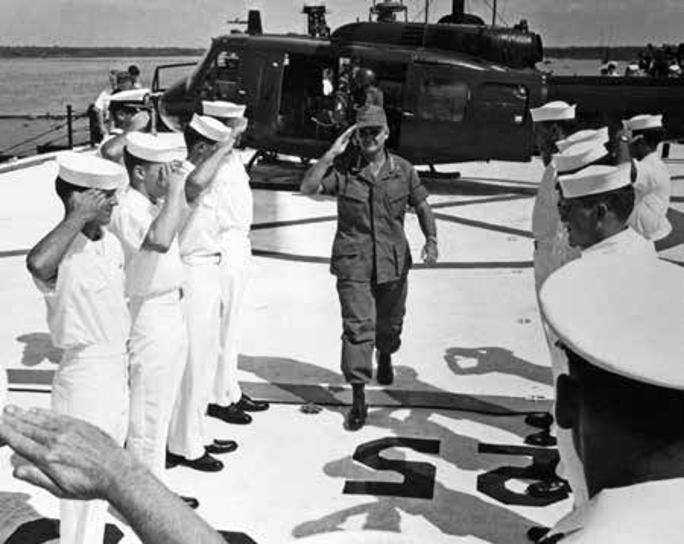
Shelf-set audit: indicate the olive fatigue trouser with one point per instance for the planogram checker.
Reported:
(372, 314)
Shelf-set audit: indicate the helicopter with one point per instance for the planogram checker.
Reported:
(454, 91)
(450, 90)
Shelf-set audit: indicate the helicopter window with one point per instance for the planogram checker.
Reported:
(443, 99)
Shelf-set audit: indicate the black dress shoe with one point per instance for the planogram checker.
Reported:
(535, 534)
(356, 417)
(540, 420)
(551, 488)
(385, 373)
(219, 447)
(206, 463)
(542, 439)
(229, 414)
(192, 502)
(247, 404)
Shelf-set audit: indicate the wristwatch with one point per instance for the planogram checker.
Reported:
(624, 138)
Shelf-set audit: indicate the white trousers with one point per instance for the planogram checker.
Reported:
(93, 387)
(158, 354)
(235, 268)
(571, 468)
(188, 433)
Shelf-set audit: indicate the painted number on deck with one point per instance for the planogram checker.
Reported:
(419, 478)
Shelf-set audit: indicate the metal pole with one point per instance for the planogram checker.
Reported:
(70, 128)
(427, 11)
(494, 14)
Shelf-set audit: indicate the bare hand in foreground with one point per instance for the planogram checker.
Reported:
(342, 142)
(70, 458)
(89, 205)
(430, 253)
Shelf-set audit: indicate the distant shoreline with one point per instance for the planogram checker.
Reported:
(629, 52)
(11, 52)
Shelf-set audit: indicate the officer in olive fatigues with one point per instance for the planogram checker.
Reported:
(371, 255)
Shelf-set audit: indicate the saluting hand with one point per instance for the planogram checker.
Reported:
(139, 121)
(89, 205)
(68, 457)
(173, 177)
(430, 253)
(341, 144)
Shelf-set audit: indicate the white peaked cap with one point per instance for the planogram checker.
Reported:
(579, 155)
(675, 68)
(634, 67)
(626, 320)
(643, 122)
(132, 96)
(601, 135)
(222, 109)
(210, 128)
(164, 147)
(594, 180)
(91, 171)
(553, 111)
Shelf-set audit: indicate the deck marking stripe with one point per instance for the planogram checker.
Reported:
(484, 225)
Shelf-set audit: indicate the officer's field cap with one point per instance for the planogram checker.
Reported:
(600, 135)
(91, 172)
(133, 96)
(623, 317)
(223, 110)
(594, 180)
(643, 122)
(579, 155)
(165, 147)
(553, 111)
(371, 116)
(210, 128)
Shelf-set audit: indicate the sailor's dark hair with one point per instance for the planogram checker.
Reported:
(620, 201)
(64, 189)
(192, 138)
(652, 136)
(606, 160)
(649, 411)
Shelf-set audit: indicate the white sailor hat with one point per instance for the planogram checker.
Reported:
(553, 111)
(611, 64)
(579, 155)
(133, 96)
(600, 135)
(210, 128)
(626, 320)
(633, 67)
(91, 171)
(163, 147)
(643, 122)
(223, 109)
(594, 180)
(674, 67)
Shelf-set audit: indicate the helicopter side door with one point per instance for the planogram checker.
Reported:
(433, 126)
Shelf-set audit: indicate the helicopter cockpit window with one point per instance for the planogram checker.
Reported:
(227, 74)
(443, 99)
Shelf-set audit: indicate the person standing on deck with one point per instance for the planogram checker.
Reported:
(639, 140)
(208, 143)
(146, 222)
(79, 268)
(130, 112)
(371, 256)
(622, 396)
(235, 211)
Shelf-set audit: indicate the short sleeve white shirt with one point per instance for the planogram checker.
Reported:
(148, 273)
(86, 305)
(653, 189)
(235, 203)
(199, 236)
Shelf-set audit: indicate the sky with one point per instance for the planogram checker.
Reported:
(192, 23)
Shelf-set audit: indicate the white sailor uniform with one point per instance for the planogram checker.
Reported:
(653, 189)
(200, 251)
(235, 214)
(88, 318)
(158, 339)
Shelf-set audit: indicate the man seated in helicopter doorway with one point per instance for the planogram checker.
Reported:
(371, 255)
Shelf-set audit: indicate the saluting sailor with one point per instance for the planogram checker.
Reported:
(208, 143)
(235, 212)
(371, 256)
(130, 112)
(79, 267)
(147, 221)
(639, 140)
(622, 397)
